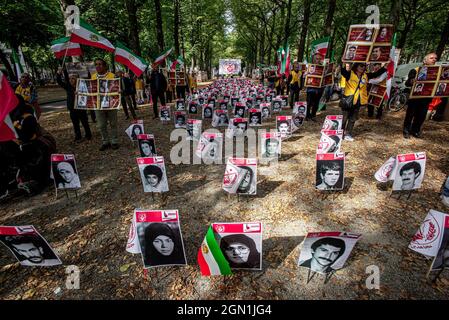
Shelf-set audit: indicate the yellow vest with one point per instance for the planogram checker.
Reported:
(342, 82)
(108, 76)
(139, 84)
(24, 92)
(295, 76)
(351, 87)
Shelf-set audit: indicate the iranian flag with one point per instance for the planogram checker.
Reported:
(8, 101)
(17, 65)
(63, 47)
(177, 62)
(126, 57)
(320, 45)
(87, 35)
(210, 258)
(284, 61)
(391, 68)
(162, 57)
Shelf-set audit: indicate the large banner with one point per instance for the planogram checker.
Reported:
(99, 94)
(229, 66)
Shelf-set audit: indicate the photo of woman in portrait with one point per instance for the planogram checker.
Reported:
(154, 179)
(65, 175)
(247, 183)
(135, 131)
(240, 251)
(162, 245)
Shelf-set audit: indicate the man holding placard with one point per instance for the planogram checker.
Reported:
(108, 115)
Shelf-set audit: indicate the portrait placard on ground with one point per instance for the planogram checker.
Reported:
(147, 145)
(28, 246)
(427, 239)
(240, 243)
(326, 252)
(153, 174)
(180, 118)
(271, 145)
(135, 129)
(330, 141)
(441, 260)
(333, 122)
(330, 171)
(409, 171)
(194, 129)
(165, 113)
(160, 238)
(64, 172)
(255, 117)
(240, 176)
(284, 126)
(210, 147)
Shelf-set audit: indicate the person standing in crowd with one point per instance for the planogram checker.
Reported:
(76, 115)
(139, 89)
(28, 91)
(314, 94)
(129, 91)
(279, 85)
(343, 79)
(356, 86)
(294, 82)
(271, 79)
(106, 116)
(417, 108)
(381, 80)
(193, 82)
(181, 88)
(158, 85)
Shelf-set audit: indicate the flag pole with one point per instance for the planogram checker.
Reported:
(65, 54)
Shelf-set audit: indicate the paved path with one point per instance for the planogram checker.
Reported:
(54, 106)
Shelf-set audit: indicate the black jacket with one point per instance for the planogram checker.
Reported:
(65, 84)
(129, 87)
(158, 83)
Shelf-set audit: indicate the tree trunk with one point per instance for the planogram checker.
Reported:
(133, 26)
(330, 17)
(287, 23)
(304, 30)
(404, 33)
(159, 27)
(5, 61)
(176, 26)
(444, 38)
(395, 11)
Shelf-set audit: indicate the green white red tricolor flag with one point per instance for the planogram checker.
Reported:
(8, 101)
(391, 67)
(126, 57)
(17, 65)
(87, 35)
(64, 47)
(163, 56)
(284, 61)
(321, 46)
(177, 62)
(211, 260)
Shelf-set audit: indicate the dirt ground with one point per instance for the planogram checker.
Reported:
(91, 232)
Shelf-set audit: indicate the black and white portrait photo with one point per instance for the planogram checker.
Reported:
(180, 105)
(193, 108)
(271, 146)
(284, 126)
(239, 111)
(240, 176)
(193, 129)
(333, 123)
(161, 244)
(180, 119)
(220, 118)
(207, 111)
(65, 173)
(210, 147)
(330, 174)
(134, 130)
(277, 105)
(330, 141)
(164, 113)
(147, 148)
(153, 175)
(326, 252)
(30, 249)
(255, 117)
(409, 175)
(266, 111)
(242, 251)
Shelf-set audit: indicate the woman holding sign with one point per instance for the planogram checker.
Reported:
(355, 94)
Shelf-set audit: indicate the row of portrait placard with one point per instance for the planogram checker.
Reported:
(156, 235)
